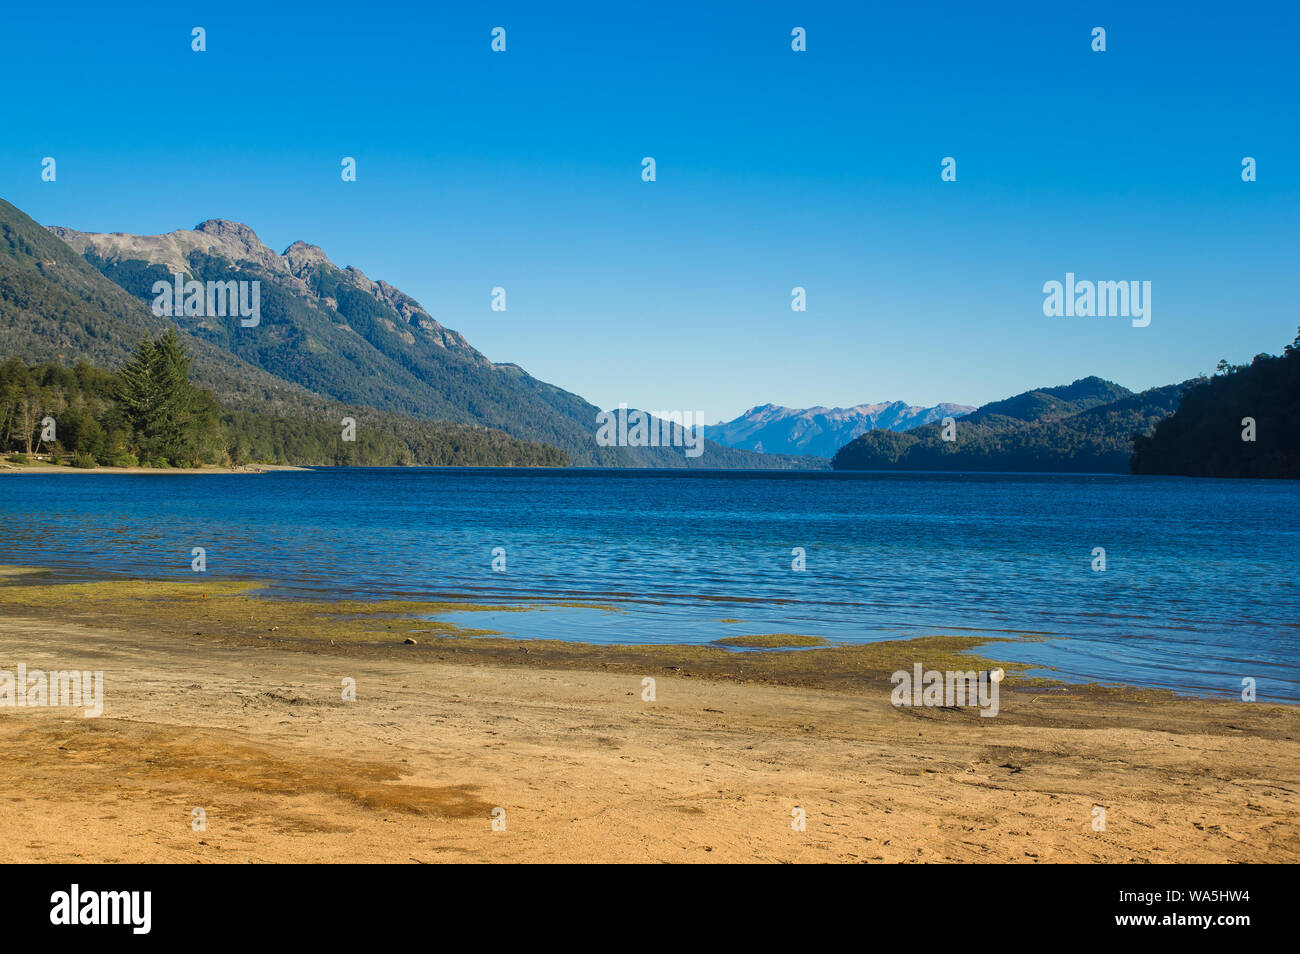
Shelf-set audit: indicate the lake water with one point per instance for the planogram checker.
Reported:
(1200, 587)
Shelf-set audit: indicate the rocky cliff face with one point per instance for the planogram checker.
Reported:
(294, 269)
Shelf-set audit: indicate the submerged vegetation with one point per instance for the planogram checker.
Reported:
(232, 610)
(772, 641)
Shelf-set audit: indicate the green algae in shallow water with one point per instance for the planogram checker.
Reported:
(231, 609)
(107, 591)
(772, 641)
(7, 570)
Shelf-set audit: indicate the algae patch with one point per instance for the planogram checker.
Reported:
(233, 610)
(772, 641)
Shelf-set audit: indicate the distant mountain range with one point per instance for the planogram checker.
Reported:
(334, 342)
(1087, 427)
(821, 431)
(329, 337)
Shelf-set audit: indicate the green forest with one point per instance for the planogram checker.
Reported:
(1084, 427)
(150, 414)
(1242, 422)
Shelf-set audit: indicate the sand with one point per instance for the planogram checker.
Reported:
(254, 731)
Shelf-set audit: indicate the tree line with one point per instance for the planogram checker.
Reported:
(150, 414)
(1244, 421)
(1095, 440)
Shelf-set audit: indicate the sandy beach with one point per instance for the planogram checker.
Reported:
(220, 701)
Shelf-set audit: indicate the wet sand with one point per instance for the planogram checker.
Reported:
(246, 721)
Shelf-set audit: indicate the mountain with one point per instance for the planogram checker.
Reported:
(337, 333)
(821, 431)
(1084, 427)
(57, 309)
(328, 336)
(1205, 436)
(1049, 404)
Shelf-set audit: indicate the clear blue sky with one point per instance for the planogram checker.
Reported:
(775, 169)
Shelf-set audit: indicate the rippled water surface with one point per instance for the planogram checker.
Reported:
(1200, 588)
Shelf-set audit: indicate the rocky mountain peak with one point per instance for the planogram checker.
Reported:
(226, 229)
(300, 255)
(236, 242)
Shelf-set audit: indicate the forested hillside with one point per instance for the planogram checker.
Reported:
(150, 414)
(1242, 422)
(1083, 427)
(331, 342)
(346, 338)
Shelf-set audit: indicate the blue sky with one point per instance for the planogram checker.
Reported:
(775, 169)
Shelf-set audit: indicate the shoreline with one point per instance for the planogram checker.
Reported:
(8, 468)
(361, 627)
(837, 664)
(216, 699)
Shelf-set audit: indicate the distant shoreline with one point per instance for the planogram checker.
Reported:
(7, 468)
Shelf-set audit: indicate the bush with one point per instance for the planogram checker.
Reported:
(84, 461)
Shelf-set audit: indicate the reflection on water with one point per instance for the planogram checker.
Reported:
(1200, 587)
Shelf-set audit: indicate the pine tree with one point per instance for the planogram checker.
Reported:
(177, 400)
(137, 392)
(158, 400)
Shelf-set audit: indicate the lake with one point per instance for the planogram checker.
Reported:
(1199, 588)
